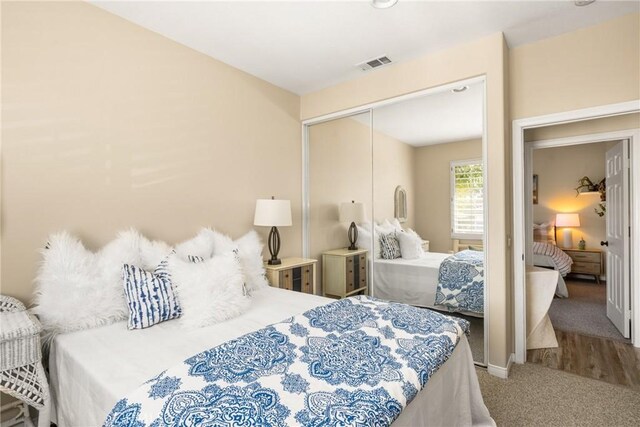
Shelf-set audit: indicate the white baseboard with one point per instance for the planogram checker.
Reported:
(499, 371)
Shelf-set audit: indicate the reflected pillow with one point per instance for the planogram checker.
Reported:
(410, 245)
(389, 246)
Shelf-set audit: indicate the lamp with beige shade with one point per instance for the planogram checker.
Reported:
(567, 221)
(273, 213)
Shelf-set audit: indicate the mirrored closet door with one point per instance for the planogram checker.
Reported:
(410, 175)
(429, 148)
(339, 193)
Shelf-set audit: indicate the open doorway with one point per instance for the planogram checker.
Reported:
(579, 223)
(570, 222)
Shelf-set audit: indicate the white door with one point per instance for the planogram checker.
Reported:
(617, 217)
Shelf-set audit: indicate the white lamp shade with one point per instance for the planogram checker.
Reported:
(352, 212)
(567, 220)
(272, 213)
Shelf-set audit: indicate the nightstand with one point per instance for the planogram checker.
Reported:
(586, 261)
(21, 373)
(294, 274)
(344, 272)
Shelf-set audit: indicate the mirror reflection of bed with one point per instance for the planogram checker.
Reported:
(442, 268)
(417, 167)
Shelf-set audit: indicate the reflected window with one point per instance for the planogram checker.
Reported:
(467, 199)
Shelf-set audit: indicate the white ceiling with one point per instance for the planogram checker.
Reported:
(306, 45)
(432, 119)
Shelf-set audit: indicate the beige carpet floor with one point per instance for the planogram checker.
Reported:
(538, 396)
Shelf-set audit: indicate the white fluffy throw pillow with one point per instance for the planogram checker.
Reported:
(72, 290)
(210, 291)
(210, 242)
(250, 252)
(202, 245)
(78, 289)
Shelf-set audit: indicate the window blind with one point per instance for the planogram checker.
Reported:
(467, 200)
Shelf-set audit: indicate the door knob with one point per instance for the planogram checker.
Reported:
(604, 243)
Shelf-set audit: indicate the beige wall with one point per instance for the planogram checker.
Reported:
(107, 125)
(593, 66)
(393, 165)
(433, 191)
(341, 169)
(559, 170)
(487, 57)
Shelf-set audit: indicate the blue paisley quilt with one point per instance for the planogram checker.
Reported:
(461, 282)
(357, 361)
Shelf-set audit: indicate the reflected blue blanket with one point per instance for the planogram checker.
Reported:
(461, 282)
(357, 361)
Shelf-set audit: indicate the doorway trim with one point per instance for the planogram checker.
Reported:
(520, 213)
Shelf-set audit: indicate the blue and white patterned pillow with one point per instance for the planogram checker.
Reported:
(150, 295)
(389, 246)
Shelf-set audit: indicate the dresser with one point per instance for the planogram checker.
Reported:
(586, 261)
(344, 273)
(294, 274)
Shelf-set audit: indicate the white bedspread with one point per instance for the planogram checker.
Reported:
(409, 281)
(92, 369)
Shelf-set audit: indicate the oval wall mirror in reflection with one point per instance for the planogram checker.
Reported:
(400, 202)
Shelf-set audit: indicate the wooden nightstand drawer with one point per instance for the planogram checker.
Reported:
(584, 256)
(585, 268)
(344, 272)
(286, 280)
(294, 274)
(586, 261)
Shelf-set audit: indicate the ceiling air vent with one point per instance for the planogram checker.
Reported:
(374, 63)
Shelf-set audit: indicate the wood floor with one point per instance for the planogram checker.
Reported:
(602, 359)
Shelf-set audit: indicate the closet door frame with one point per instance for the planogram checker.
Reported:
(306, 124)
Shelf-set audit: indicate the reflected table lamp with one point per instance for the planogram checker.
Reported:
(354, 213)
(273, 213)
(566, 221)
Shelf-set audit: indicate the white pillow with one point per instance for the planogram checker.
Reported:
(210, 242)
(210, 291)
(410, 245)
(413, 233)
(396, 224)
(249, 249)
(201, 245)
(77, 289)
(364, 241)
(67, 297)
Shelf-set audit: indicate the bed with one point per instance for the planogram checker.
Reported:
(92, 370)
(546, 254)
(416, 281)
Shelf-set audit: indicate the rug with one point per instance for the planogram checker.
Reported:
(585, 311)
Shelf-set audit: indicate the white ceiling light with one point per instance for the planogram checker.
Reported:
(383, 4)
(459, 89)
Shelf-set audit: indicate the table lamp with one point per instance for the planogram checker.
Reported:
(354, 213)
(273, 213)
(567, 220)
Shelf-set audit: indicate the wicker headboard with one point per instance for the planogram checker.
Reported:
(461, 245)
